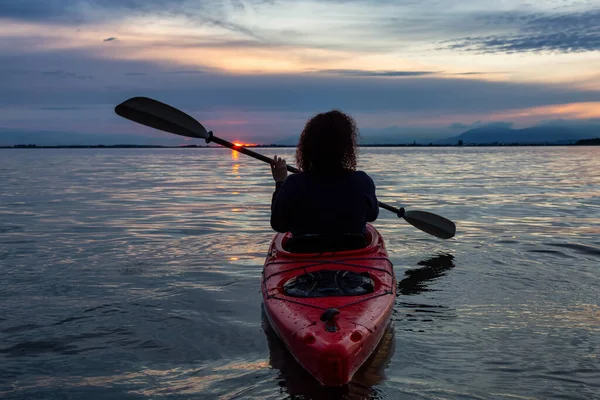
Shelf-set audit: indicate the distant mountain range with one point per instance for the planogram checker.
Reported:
(551, 134)
(555, 132)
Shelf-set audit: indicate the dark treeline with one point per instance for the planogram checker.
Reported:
(588, 142)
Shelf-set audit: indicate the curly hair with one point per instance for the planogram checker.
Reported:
(328, 144)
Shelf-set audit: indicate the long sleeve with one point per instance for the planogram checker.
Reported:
(280, 209)
(373, 211)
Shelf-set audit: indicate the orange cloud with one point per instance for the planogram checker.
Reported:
(567, 111)
(523, 116)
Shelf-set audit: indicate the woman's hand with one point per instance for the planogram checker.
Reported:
(278, 169)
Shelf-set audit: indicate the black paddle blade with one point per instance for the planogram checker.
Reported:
(161, 116)
(431, 223)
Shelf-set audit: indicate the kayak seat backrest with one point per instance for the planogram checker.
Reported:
(319, 243)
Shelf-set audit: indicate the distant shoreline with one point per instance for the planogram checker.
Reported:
(586, 142)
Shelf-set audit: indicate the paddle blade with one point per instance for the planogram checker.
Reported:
(431, 223)
(161, 116)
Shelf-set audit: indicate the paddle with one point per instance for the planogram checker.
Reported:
(155, 114)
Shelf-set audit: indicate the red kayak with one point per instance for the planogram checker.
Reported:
(330, 308)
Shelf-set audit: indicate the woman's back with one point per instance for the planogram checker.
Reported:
(308, 203)
(329, 196)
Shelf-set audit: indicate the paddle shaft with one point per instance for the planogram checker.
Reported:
(212, 138)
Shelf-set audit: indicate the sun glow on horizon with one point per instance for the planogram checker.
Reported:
(234, 153)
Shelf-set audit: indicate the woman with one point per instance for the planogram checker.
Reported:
(329, 196)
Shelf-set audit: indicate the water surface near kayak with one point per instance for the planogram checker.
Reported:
(135, 274)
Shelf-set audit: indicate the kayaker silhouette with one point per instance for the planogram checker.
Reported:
(329, 202)
(331, 306)
(326, 154)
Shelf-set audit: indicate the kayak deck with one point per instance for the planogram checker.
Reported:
(332, 336)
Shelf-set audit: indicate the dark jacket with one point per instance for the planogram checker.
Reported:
(307, 203)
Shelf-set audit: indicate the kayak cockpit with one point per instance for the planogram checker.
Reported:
(328, 283)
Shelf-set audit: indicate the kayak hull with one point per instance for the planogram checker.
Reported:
(298, 382)
(332, 350)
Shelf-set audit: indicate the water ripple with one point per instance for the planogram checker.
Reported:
(135, 274)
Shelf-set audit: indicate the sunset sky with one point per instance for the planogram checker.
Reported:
(257, 70)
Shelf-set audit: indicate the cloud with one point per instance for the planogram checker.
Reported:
(360, 25)
(463, 127)
(562, 33)
(270, 35)
(478, 73)
(34, 9)
(73, 11)
(270, 58)
(498, 125)
(364, 73)
(291, 92)
(226, 25)
(493, 125)
(570, 122)
(77, 12)
(180, 72)
(50, 108)
(186, 72)
(11, 137)
(65, 74)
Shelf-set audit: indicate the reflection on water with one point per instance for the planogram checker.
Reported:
(416, 280)
(135, 274)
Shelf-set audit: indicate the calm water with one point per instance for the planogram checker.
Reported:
(134, 274)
